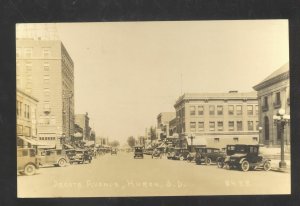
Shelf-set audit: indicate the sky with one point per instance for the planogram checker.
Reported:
(126, 73)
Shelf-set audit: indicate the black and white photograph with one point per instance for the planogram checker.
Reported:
(153, 108)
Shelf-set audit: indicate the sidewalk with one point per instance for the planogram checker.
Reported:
(275, 166)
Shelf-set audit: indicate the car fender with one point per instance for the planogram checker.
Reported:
(31, 163)
(242, 160)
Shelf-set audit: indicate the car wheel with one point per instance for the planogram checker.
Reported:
(62, 162)
(208, 161)
(181, 158)
(220, 164)
(29, 169)
(267, 166)
(245, 166)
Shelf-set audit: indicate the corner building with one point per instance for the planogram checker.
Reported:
(218, 119)
(45, 70)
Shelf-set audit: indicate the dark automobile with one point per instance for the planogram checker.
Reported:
(27, 161)
(114, 151)
(247, 157)
(79, 156)
(229, 150)
(207, 155)
(56, 157)
(180, 154)
(148, 151)
(138, 152)
(170, 152)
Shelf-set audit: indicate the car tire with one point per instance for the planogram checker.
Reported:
(208, 161)
(29, 169)
(245, 166)
(220, 164)
(267, 165)
(181, 158)
(62, 163)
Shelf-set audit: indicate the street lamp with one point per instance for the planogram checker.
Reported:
(192, 137)
(259, 133)
(280, 120)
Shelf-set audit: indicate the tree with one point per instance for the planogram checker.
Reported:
(131, 141)
(114, 143)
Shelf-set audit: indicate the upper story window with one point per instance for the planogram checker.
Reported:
(220, 126)
(28, 52)
(265, 105)
(192, 110)
(211, 110)
(239, 125)
(46, 67)
(277, 102)
(220, 110)
(250, 125)
(250, 109)
(239, 110)
(193, 126)
(231, 125)
(211, 126)
(200, 110)
(201, 126)
(46, 52)
(256, 109)
(231, 110)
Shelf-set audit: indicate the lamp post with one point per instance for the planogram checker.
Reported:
(259, 134)
(192, 137)
(280, 120)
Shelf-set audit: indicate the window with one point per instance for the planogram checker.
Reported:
(250, 125)
(27, 131)
(193, 126)
(47, 92)
(19, 129)
(235, 139)
(46, 52)
(28, 52)
(231, 110)
(256, 109)
(211, 126)
(201, 126)
(200, 110)
(231, 126)
(192, 110)
(211, 110)
(46, 67)
(255, 139)
(220, 126)
(277, 100)
(239, 110)
(265, 106)
(46, 76)
(216, 140)
(220, 110)
(239, 125)
(250, 109)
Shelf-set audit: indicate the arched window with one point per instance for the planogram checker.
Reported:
(267, 131)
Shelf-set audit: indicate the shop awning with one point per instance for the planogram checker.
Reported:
(35, 142)
(68, 146)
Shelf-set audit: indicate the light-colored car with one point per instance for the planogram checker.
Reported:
(27, 161)
(56, 157)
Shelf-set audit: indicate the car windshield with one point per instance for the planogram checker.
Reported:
(200, 149)
(240, 149)
(138, 149)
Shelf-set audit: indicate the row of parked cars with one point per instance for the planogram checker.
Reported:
(28, 161)
(239, 156)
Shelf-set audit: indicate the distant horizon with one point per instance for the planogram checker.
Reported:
(126, 73)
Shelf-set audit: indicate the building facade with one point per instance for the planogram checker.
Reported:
(218, 119)
(83, 121)
(273, 94)
(163, 120)
(45, 70)
(26, 110)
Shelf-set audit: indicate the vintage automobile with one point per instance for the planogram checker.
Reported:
(79, 156)
(156, 154)
(207, 155)
(138, 152)
(170, 152)
(113, 151)
(56, 157)
(229, 150)
(246, 157)
(180, 154)
(27, 161)
(148, 151)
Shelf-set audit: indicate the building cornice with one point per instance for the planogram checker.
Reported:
(272, 81)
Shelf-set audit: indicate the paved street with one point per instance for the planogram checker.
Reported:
(122, 175)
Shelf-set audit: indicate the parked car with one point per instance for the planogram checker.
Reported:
(138, 152)
(27, 161)
(80, 156)
(170, 152)
(180, 154)
(229, 150)
(157, 154)
(148, 151)
(56, 157)
(114, 151)
(247, 157)
(207, 155)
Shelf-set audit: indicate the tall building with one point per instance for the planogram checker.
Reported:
(273, 94)
(218, 119)
(163, 120)
(45, 70)
(26, 110)
(83, 121)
